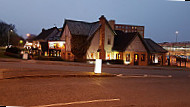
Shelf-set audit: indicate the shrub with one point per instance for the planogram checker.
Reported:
(113, 61)
(47, 58)
(13, 55)
(14, 50)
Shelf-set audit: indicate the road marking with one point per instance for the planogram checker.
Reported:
(78, 102)
(144, 76)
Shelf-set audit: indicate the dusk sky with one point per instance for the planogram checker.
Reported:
(161, 18)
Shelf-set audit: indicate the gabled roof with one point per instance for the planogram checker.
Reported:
(153, 47)
(107, 23)
(45, 33)
(122, 40)
(82, 28)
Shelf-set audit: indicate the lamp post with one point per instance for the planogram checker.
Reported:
(9, 36)
(176, 32)
(27, 34)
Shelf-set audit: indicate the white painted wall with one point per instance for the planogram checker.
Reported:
(94, 46)
(108, 47)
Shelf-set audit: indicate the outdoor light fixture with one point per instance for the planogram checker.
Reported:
(176, 32)
(21, 41)
(27, 34)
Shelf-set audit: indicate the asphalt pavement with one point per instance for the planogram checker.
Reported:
(133, 86)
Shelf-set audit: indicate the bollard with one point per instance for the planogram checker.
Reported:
(98, 66)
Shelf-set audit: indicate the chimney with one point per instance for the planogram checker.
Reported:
(102, 37)
(43, 29)
(112, 24)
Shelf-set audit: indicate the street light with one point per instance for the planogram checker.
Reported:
(176, 32)
(9, 36)
(27, 34)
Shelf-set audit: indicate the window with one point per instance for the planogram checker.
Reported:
(117, 56)
(109, 39)
(126, 27)
(108, 56)
(127, 57)
(142, 57)
(92, 55)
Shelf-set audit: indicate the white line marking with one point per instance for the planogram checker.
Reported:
(78, 102)
(144, 76)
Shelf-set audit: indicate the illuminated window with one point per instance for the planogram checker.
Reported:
(127, 57)
(142, 57)
(132, 27)
(92, 55)
(108, 56)
(136, 57)
(117, 56)
(63, 46)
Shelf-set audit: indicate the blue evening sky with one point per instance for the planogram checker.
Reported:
(161, 18)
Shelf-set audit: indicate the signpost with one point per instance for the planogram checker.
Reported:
(98, 66)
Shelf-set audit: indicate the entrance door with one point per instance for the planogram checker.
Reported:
(136, 59)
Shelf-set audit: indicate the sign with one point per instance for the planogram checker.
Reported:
(98, 66)
(25, 56)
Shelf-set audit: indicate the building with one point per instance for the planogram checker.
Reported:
(177, 51)
(130, 48)
(29, 41)
(127, 28)
(133, 49)
(87, 40)
(100, 40)
(47, 43)
(179, 48)
(156, 54)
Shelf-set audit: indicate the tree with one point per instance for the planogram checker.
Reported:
(5, 32)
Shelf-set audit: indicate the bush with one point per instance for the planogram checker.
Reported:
(47, 58)
(13, 55)
(14, 50)
(113, 61)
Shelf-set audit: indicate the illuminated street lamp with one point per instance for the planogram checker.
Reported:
(9, 36)
(177, 32)
(27, 34)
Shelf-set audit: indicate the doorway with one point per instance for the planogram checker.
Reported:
(136, 59)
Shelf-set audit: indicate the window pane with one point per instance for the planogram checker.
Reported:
(127, 57)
